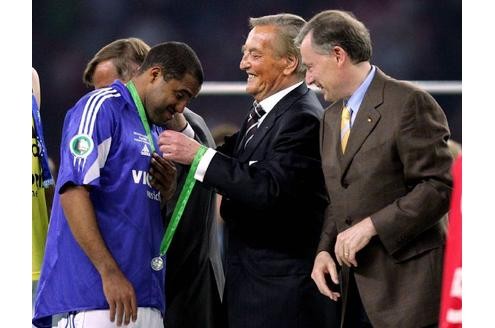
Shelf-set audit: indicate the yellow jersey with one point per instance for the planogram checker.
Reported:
(40, 213)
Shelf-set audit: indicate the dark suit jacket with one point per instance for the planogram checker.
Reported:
(192, 298)
(396, 170)
(273, 204)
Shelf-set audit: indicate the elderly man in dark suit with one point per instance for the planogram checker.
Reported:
(386, 163)
(270, 176)
(192, 297)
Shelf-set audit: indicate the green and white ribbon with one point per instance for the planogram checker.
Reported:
(188, 185)
(181, 203)
(142, 114)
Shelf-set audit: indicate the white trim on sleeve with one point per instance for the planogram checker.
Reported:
(203, 164)
(188, 131)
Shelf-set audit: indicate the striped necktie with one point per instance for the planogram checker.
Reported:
(252, 123)
(345, 127)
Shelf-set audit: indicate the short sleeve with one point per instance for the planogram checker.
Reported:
(87, 137)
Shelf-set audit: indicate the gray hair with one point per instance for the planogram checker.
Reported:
(332, 28)
(288, 26)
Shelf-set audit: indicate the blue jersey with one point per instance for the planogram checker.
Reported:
(104, 146)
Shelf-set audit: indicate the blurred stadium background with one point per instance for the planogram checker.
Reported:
(412, 40)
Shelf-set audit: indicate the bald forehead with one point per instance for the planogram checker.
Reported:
(261, 37)
(104, 75)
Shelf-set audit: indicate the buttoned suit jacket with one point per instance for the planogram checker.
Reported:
(192, 297)
(396, 170)
(273, 204)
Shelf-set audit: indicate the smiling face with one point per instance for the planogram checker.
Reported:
(162, 99)
(262, 64)
(322, 70)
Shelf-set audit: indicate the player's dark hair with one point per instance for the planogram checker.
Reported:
(176, 59)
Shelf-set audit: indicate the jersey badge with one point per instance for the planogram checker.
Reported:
(81, 145)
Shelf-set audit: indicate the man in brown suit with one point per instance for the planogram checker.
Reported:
(386, 163)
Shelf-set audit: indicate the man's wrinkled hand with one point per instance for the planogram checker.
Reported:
(178, 147)
(352, 240)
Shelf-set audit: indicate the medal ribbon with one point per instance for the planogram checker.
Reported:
(142, 115)
(188, 184)
(181, 203)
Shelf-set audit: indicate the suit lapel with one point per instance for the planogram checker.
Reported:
(366, 119)
(240, 138)
(269, 121)
(332, 121)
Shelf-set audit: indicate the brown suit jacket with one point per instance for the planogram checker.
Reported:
(396, 169)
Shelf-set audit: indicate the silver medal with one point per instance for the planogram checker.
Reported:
(157, 263)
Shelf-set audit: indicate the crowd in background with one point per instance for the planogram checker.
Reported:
(412, 40)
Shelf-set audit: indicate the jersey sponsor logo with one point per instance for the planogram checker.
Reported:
(153, 195)
(81, 145)
(145, 151)
(37, 181)
(143, 177)
(35, 148)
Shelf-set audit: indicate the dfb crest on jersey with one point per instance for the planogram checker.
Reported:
(81, 145)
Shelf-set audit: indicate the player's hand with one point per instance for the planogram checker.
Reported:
(120, 296)
(163, 176)
(177, 123)
(325, 265)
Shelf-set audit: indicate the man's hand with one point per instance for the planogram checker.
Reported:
(352, 240)
(120, 296)
(178, 147)
(177, 123)
(163, 176)
(324, 265)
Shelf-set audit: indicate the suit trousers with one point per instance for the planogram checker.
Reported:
(355, 314)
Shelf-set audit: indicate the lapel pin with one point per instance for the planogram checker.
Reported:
(369, 119)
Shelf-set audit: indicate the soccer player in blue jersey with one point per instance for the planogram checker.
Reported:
(102, 263)
(194, 267)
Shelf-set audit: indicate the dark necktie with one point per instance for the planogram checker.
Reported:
(252, 124)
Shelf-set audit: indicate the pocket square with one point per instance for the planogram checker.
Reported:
(252, 162)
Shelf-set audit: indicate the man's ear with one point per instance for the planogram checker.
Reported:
(340, 54)
(155, 72)
(292, 62)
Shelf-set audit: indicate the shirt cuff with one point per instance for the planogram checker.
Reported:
(188, 131)
(203, 164)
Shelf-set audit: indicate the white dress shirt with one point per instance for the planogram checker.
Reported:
(268, 104)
